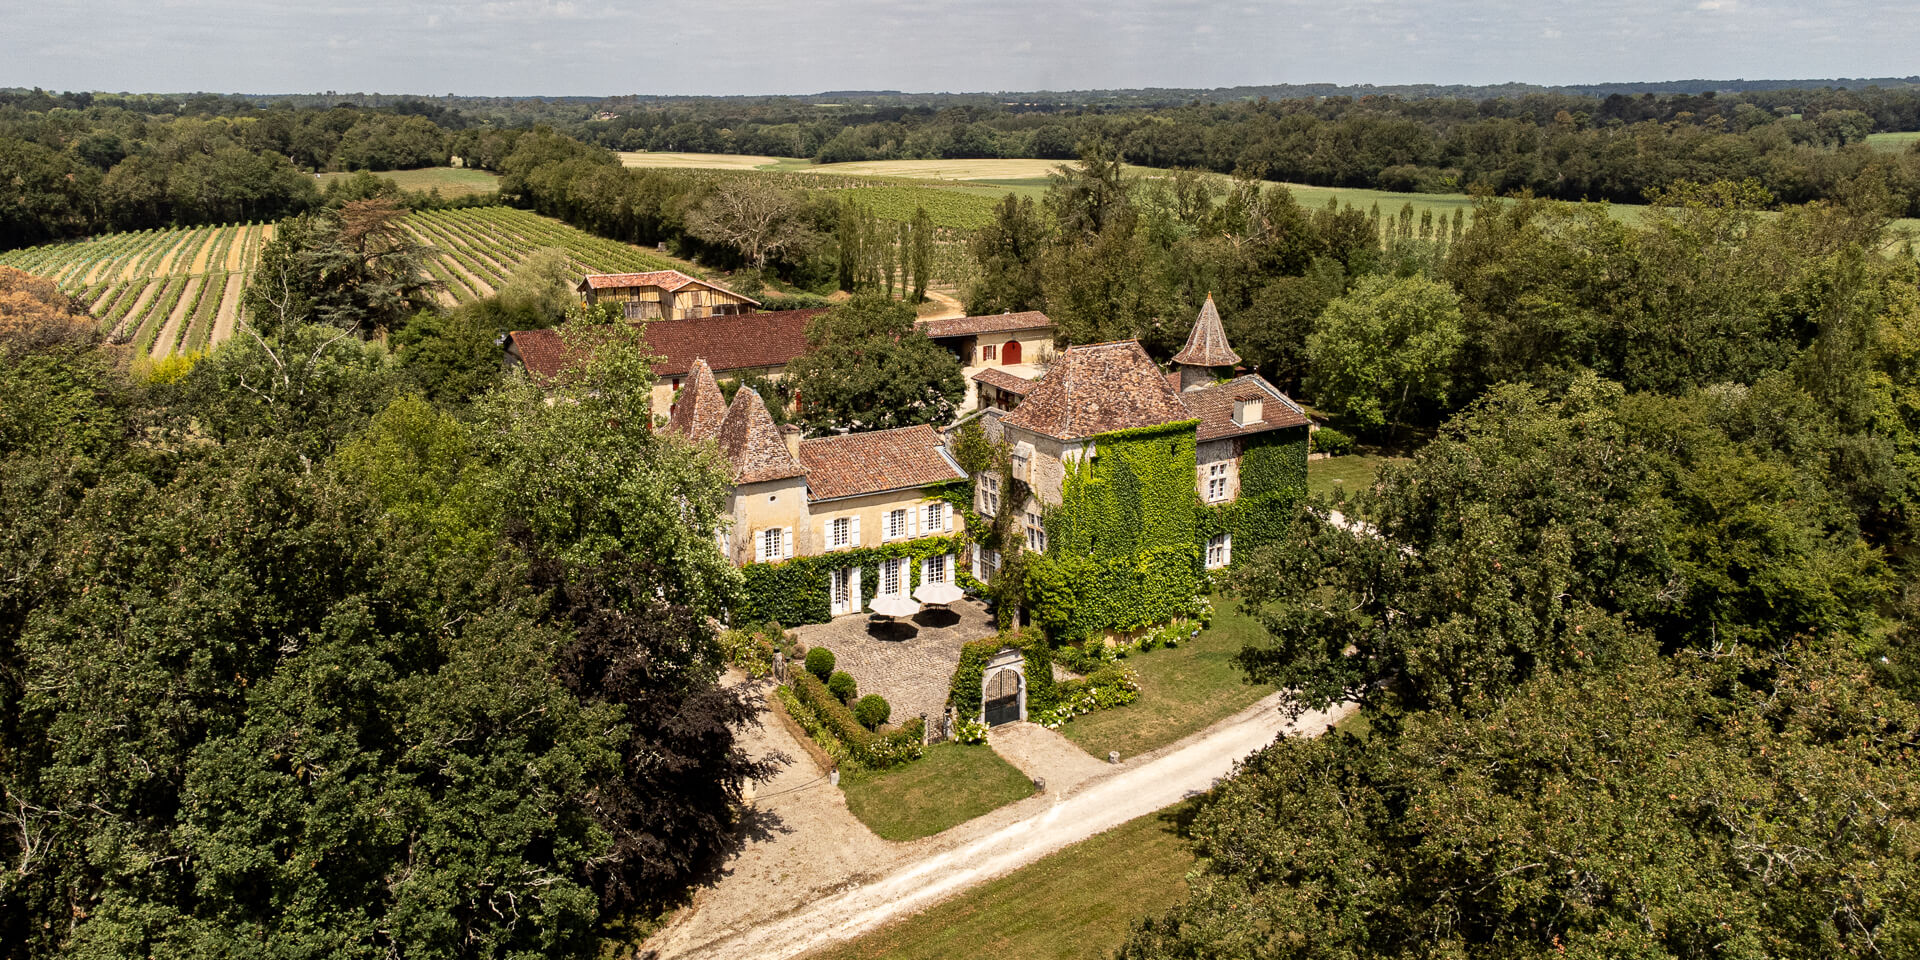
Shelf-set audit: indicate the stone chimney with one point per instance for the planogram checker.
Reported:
(791, 434)
(1248, 411)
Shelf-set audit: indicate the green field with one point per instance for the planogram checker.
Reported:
(951, 784)
(450, 181)
(1893, 142)
(1074, 905)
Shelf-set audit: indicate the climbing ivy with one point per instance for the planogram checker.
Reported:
(1273, 479)
(796, 591)
(1122, 546)
(963, 692)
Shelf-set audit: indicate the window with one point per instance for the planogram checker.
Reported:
(896, 526)
(1036, 533)
(839, 532)
(1219, 551)
(1216, 482)
(990, 352)
(892, 572)
(934, 569)
(934, 518)
(773, 544)
(989, 563)
(846, 590)
(990, 495)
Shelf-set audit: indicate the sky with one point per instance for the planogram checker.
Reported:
(599, 47)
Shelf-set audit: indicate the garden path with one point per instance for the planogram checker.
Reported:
(1044, 754)
(798, 842)
(924, 872)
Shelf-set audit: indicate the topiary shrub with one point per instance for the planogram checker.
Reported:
(836, 724)
(1332, 442)
(820, 663)
(872, 711)
(841, 685)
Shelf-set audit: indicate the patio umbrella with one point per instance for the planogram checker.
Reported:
(937, 594)
(896, 607)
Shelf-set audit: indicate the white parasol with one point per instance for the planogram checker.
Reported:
(937, 594)
(893, 606)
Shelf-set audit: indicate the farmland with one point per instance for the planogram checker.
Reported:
(178, 291)
(1893, 142)
(450, 181)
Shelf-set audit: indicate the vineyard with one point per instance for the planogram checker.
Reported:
(174, 291)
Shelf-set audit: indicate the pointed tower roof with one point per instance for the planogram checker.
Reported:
(701, 407)
(1207, 344)
(752, 443)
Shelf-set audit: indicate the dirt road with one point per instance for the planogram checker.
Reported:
(1013, 837)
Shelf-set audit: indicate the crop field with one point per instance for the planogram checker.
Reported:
(160, 290)
(701, 161)
(178, 290)
(450, 181)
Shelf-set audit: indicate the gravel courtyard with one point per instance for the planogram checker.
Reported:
(909, 662)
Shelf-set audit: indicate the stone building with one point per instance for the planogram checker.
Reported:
(871, 497)
(1110, 389)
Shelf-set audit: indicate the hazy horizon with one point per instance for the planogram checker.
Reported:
(748, 47)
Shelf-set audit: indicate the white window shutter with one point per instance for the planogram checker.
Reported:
(853, 594)
(759, 546)
(1229, 551)
(853, 535)
(913, 516)
(974, 555)
(786, 541)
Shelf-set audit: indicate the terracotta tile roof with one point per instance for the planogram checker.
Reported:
(861, 463)
(740, 342)
(540, 351)
(752, 443)
(668, 280)
(1214, 406)
(994, 376)
(1207, 343)
(701, 408)
(990, 323)
(1099, 388)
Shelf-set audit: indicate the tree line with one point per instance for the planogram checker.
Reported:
(131, 163)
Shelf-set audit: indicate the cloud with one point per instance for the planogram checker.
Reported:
(1727, 5)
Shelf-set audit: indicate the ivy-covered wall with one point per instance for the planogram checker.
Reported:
(1122, 547)
(1273, 479)
(794, 592)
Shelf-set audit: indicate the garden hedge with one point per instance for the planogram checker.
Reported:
(866, 747)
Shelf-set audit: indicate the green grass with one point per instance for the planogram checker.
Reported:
(1893, 142)
(1074, 905)
(450, 181)
(1183, 690)
(1342, 474)
(952, 784)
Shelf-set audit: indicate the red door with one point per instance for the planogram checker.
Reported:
(1010, 354)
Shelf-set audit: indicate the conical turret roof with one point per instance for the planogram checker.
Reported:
(1207, 345)
(752, 443)
(701, 409)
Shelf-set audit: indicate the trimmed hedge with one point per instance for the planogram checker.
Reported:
(820, 663)
(865, 747)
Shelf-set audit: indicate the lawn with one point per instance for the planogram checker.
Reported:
(952, 784)
(450, 181)
(1342, 474)
(1893, 142)
(1183, 690)
(1073, 905)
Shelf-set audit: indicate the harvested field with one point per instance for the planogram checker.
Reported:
(699, 161)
